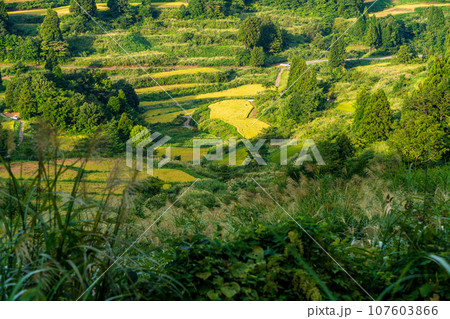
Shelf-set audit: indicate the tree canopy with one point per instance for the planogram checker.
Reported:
(89, 6)
(50, 30)
(375, 120)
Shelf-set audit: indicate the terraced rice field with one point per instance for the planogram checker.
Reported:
(248, 90)
(165, 115)
(100, 6)
(98, 172)
(236, 113)
(189, 71)
(186, 153)
(154, 89)
(407, 8)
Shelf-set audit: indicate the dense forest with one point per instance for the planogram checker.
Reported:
(83, 81)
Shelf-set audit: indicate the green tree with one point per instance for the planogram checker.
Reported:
(50, 30)
(51, 60)
(3, 141)
(89, 6)
(433, 97)
(89, 117)
(26, 104)
(32, 49)
(375, 123)
(4, 18)
(118, 7)
(138, 129)
(337, 53)
(270, 36)
(250, 32)
(447, 44)
(436, 28)
(361, 102)
(359, 28)
(124, 127)
(299, 106)
(1, 82)
(405, 55)
(418, 137)
(301, 77)
(257, 57)
(373, 38)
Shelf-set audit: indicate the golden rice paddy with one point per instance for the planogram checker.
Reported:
(236, 113)
(248, 90)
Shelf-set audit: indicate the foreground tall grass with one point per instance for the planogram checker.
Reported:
(224, 239)
(53, 245)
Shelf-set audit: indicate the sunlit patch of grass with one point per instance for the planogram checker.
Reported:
(165, 115)
(7, 124)
(154, 89)
(407, 8)
(347, 106)
(236, 113)
(68, 142)
(186, 154)
(248, 90)
(189, 71)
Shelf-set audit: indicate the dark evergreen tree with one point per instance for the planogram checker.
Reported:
(361, 102)
(299, 106)
(359, 28)
(1, 82)
(89, 6)
(337, 53)
(26, 104)
(4, 18)
(436, 28)
(32, 48)
(50, 30)
(118, 7)
(447, 44)
(270, 36)
(391, 31)
(250, 32)
(301, 78)
(418, 137)
(51, 60)
(373, 37)
(375, 123)
(405, 54)
(124, 127)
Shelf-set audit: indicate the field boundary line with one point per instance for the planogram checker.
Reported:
(134, 59)
(309, 66)
(140, 236)
(314, 240)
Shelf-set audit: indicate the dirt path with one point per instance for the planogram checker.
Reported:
(277, 81)
(186, 123)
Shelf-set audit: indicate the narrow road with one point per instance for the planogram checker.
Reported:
(186, 123)
(277, 81)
